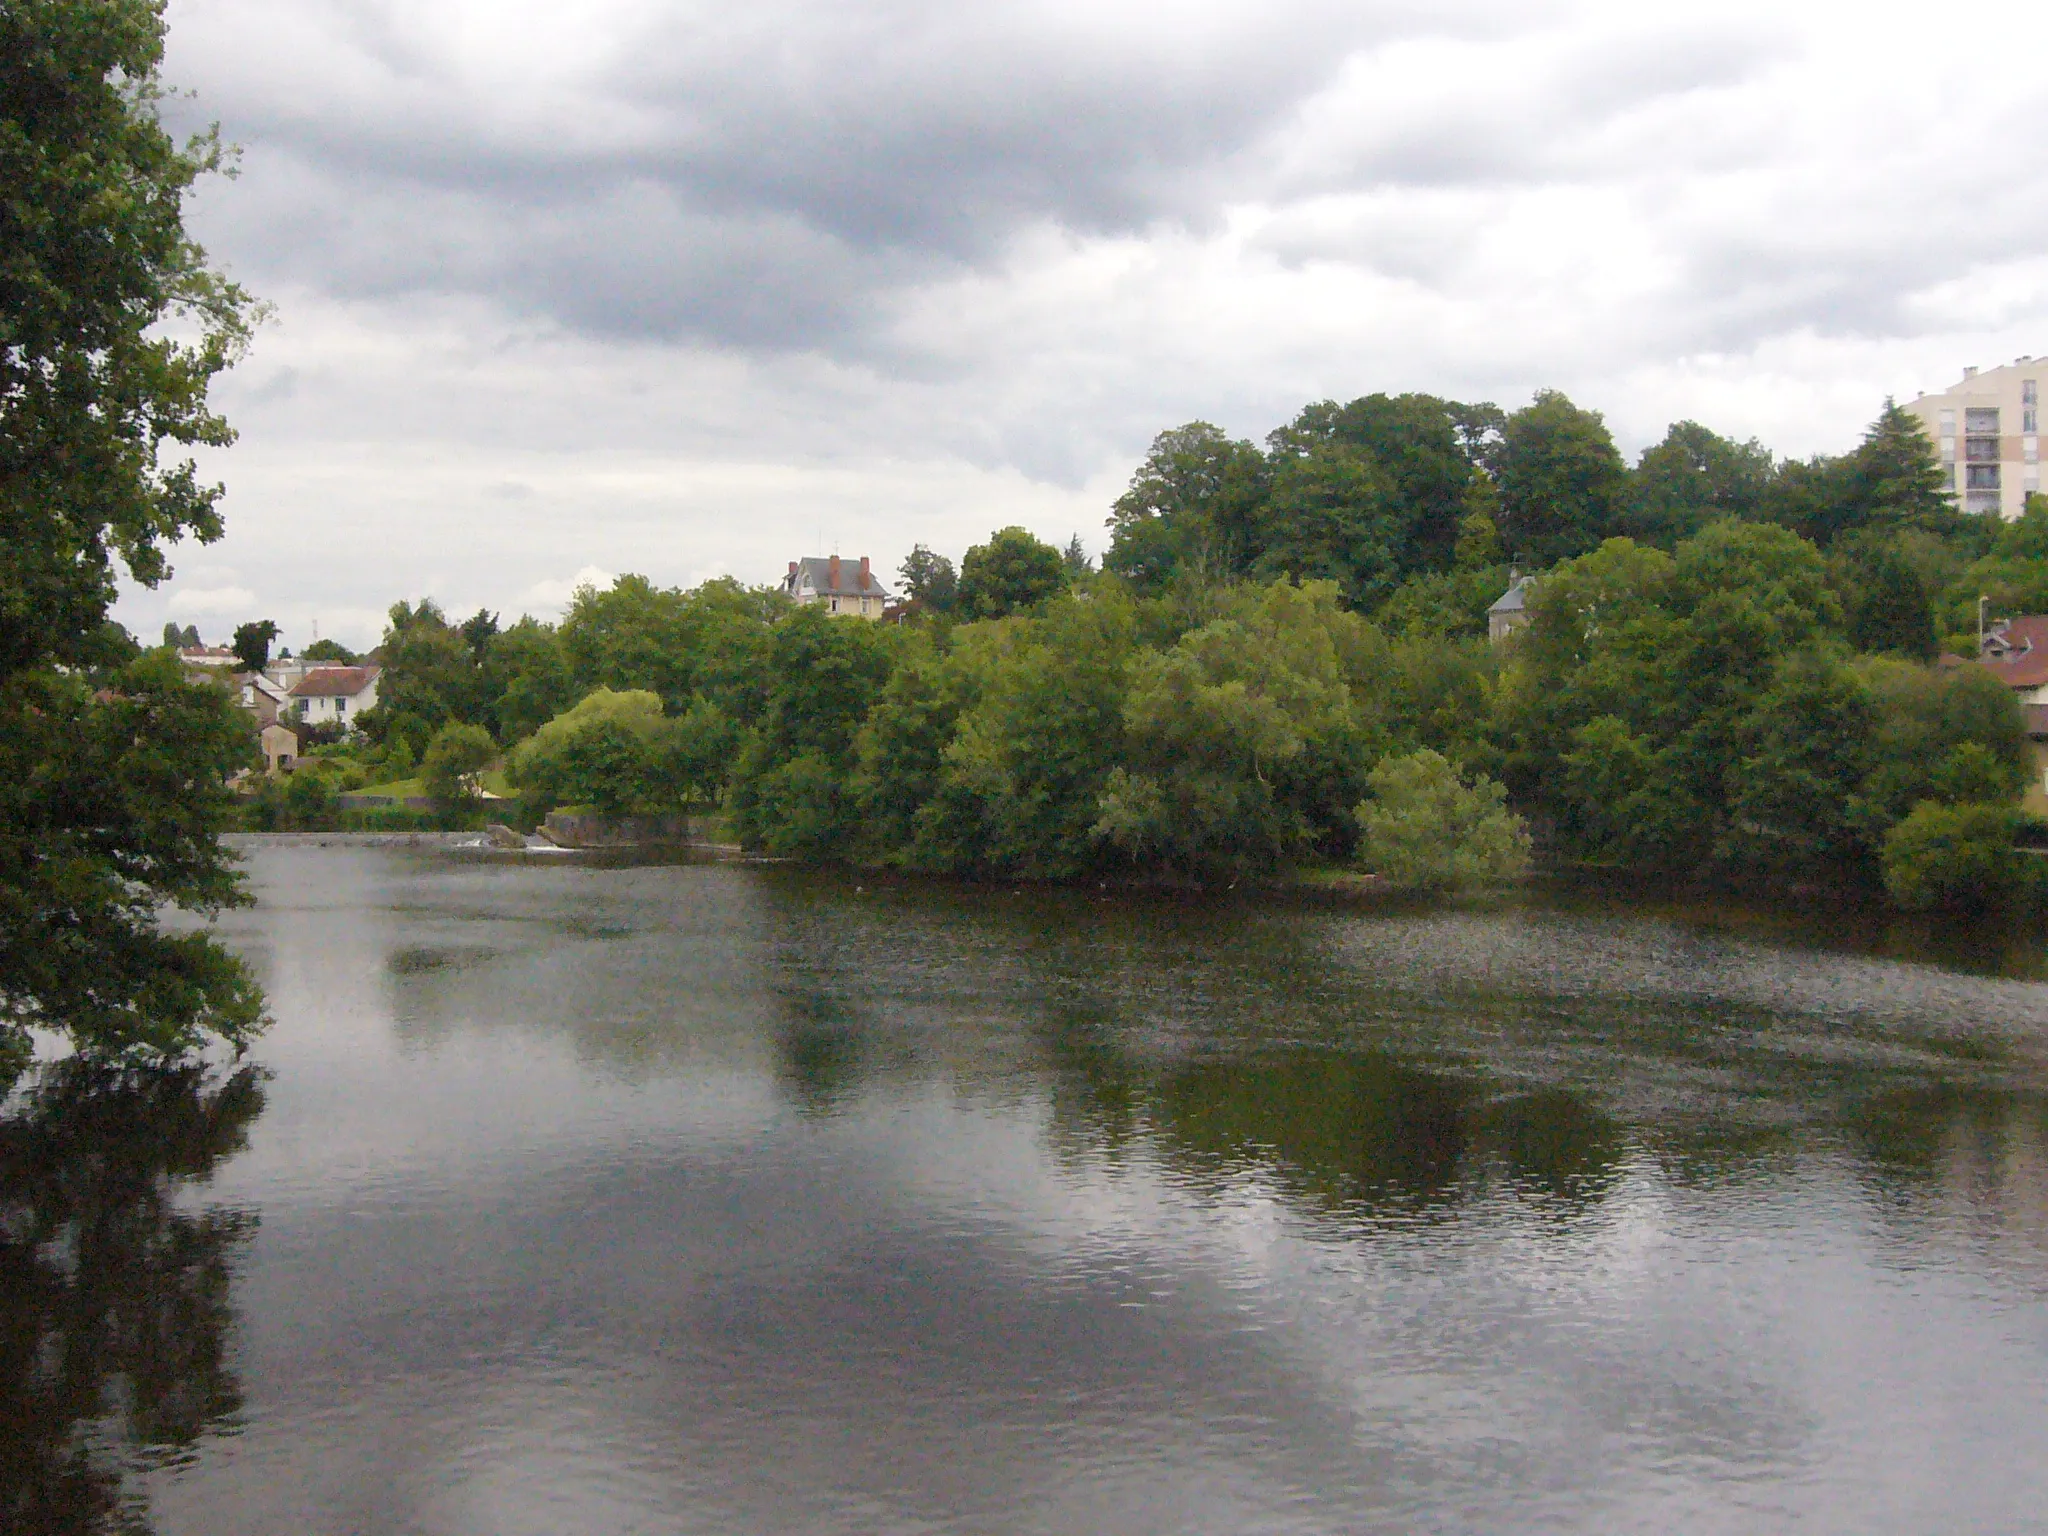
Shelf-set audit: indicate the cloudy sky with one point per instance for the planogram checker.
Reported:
(689, 289)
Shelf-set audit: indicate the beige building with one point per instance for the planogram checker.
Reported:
(1987, 432)
(839, 585)
(280, 748)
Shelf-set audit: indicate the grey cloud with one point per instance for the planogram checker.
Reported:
(764, 178)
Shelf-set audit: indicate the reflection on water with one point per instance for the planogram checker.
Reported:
(706, 1199)
(114, 1333)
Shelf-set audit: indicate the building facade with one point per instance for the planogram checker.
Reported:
(335, 694)
(1510, 611)
(839, 586)
(1987, 433)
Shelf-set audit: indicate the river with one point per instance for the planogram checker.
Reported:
(720, 1199)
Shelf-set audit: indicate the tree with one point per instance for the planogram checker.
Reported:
(929, 579)
(1011, 572)
(455, 758)
(112, 327)
(1415, 439)
(1426, 828)
(330, 651)
(605, 752)
(1330, 516)
(1692, 478)
(526, 679)
(1892, 481)
(1562, 484)
(252, 644)
(1077, 562)
(1189, 507)
(1212, 728)
(1806, 750)
(1898, 480)
(430, 677)
(1885, 604)
(110, 805)
(629, 636)
(1958, 856)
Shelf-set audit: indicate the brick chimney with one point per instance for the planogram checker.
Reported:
(832, 575)
(792, 567)
(864, 577)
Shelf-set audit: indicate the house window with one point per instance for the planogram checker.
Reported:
(1982, 419)
(1983, 477)
(341, 706)
(1981, 450)
(1948, 423)
(2030, 420)
(2028, 394)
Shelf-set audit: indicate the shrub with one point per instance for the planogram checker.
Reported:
(455, 758)
(1956, 856)
(605, 752)
(1425, 828)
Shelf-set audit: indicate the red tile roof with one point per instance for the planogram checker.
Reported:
(334, 682)
(2018, 656)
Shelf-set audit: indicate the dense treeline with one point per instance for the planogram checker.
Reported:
(1282, 660)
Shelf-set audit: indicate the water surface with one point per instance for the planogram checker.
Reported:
(714, 1199)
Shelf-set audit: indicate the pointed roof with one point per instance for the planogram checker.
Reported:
(334, 682)
(816, 573)
(2017, 651)
(1515, 599)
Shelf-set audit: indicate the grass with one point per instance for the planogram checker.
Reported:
(397, 789)
(494, 781)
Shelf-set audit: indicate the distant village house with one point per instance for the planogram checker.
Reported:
(335, 695)
(2016, 651)
(280, 748)
(263, 696)
(842, 587)
(1510, 611)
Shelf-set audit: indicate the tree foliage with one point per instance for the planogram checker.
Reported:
(1013, 571)
(1562, 482)
(454, 765)
(1725, 671)
(252, 643)
(1426, 828)
(112, 328)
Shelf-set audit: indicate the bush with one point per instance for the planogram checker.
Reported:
(1425, 828)
(799, 810)
(606, 752)
(1955, 856)
(455, 758)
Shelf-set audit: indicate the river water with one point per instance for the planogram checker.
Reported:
(715, 1199)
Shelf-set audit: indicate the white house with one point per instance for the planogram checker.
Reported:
(335, 694)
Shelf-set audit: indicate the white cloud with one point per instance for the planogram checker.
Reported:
(549, 598)
(209, 602)
(680, 288)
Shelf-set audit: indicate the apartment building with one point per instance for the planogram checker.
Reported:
(1987, 431)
